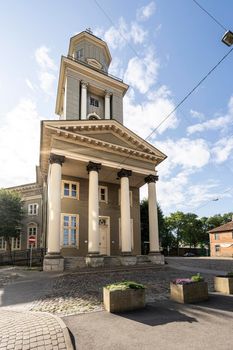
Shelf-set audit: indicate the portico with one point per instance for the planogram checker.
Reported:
(80, 156)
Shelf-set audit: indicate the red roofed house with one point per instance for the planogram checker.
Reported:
(221, 240)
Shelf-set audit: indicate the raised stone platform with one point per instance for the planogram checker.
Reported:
(74, 263)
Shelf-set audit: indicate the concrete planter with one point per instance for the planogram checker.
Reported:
(223, 284)
(123, 300)
(189, 293)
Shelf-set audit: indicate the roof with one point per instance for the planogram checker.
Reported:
(223, 228)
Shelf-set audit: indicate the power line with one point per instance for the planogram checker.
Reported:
(111, 21)
(190, 93)
(209, 14)
(214, 199)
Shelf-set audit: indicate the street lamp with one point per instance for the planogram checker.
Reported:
(228, 38)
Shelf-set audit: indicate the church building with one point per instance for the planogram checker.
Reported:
(91, 168)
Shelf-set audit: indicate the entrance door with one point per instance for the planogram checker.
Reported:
(104, 236)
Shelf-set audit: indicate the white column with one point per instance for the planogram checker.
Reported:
(54, 204)
(153, 214)
(83, 100)
(126, 246)
(107, 105)
(93, 208)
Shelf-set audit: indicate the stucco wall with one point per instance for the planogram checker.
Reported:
(111, 209)
(224, 238)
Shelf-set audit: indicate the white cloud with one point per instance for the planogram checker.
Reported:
(19, 142)
(118, 36)
(46, 65)
(146, 12)
(29, 84)
(223, 149)
(196, 114)
(188, 154)
(43, 59)
(143, 117)
(47, 82)
(141, 73)
(215, 123)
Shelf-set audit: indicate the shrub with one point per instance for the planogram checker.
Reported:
(229, 274)
(125, 285)
(197, 278)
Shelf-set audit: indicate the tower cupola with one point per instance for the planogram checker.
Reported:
(86, 90)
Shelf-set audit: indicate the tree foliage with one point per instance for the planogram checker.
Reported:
(181, 229)
(11, 214)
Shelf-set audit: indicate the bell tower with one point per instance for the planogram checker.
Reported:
(85, 89)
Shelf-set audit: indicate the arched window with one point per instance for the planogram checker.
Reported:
(93, 116)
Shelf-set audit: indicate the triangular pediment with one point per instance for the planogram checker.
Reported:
(108, 135)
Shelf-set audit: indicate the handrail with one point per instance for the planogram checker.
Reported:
(97, 70)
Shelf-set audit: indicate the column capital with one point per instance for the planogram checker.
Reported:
(124, 173)
(151, 178)
(56, 158)
(93, 167)
(108, 93)
(84, 84)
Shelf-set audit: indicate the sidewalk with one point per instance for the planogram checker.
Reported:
(32, 331)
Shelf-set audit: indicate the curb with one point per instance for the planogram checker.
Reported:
(65, 330)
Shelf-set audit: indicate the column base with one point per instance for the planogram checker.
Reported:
(156, 258)
(127, 259)
(94, 260)
(53, 262)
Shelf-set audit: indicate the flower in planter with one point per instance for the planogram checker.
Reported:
(194, 278)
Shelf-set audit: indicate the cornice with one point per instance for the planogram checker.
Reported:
(107, 146)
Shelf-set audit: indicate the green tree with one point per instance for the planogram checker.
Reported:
(145, 222)
(11, 215)
(175, 227)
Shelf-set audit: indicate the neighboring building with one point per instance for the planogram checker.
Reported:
(221, 240)
(92, 167)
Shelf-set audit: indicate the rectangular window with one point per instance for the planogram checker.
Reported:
(32, 232)
(130, 197)
(33, 209)
(79, 54)
(70, 189)
(216, 236)
(16, 243)
(217, 248)
(2, 243)
(94, 102)
(70, 229)
(103, 194)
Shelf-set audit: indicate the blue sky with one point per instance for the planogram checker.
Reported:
(162, 49)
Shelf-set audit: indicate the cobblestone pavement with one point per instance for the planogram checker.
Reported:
(32, 331)
(80, 293)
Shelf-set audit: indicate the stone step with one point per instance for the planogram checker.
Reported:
(143, 259)
(73, 263)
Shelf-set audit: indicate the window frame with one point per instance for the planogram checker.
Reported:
(16, 243)
(216, 236)
(100, 187)
(35, 209)
(2, 243)
(70, 183)
(79, 56)
(33, 226)
(217, 248)
(96, 102)
(69, 245)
